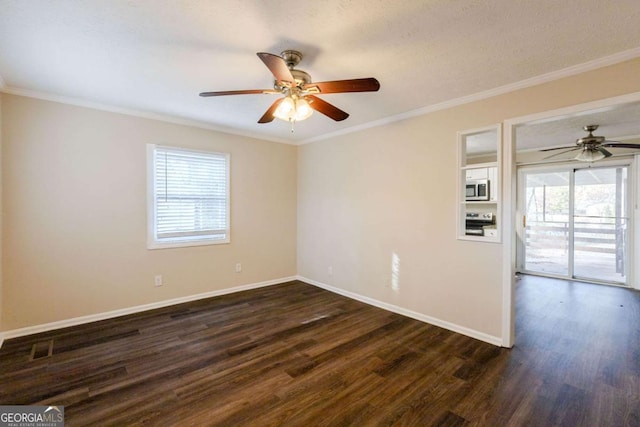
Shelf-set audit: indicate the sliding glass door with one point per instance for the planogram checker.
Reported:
(600, 224)
(546, 222)
(575, 222)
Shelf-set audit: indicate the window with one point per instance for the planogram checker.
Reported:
(188, 197)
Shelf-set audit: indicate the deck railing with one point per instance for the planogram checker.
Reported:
(588, 236)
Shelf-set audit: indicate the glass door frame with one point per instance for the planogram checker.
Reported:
(571, 167)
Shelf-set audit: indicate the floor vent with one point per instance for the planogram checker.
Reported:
(41, 349)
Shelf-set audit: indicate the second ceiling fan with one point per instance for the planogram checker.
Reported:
(592, 147)
(299, 91)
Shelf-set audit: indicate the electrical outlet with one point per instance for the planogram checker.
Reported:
(238, 268)
(330, 270)
(158, 280)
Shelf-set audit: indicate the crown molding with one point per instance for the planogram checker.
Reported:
(544, 78)
(534, 81)
(132, 112)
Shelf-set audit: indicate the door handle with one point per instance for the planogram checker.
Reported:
(524, 221)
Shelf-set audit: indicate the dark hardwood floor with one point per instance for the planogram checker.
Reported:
(293, 354)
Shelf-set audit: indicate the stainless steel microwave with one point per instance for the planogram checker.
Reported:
(477, 190)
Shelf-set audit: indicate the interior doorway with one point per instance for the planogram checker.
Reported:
(619, 120)
(576, 221)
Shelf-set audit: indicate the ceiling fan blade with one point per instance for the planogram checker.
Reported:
(240, 92)
(620, 145)
(268, 116)
(603, 151)
(563, 152)
(277, 66)
(325, 108)
(559, 148)
(340, 86)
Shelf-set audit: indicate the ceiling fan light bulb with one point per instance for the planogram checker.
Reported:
(303, 110)
(588, 155)
(286, 110)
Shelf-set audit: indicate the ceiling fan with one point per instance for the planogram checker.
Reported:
(592, 147)
(299, 91)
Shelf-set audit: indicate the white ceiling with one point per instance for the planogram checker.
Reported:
(155, 56)
(617, 123)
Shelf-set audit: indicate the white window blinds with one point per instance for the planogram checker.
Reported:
(190, 192)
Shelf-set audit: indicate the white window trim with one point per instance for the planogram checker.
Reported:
(152, 242)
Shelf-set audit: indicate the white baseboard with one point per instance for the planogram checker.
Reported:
(160, 304)
(30, 330)
(408, 313)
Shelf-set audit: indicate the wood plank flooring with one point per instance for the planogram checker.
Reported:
(293, 354)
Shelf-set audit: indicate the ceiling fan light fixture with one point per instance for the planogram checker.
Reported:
(589, 155)
(293, 110)
(303, 109)
(285, 109)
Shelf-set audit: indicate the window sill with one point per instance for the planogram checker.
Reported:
(186, 244)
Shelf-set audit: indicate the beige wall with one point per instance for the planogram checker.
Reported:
(365, 196)
(74, 210)
(74, 229)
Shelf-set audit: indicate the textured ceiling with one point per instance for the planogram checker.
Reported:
(155, 56)
(618, 123)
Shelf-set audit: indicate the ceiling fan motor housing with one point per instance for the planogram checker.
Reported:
(293, 58)
(301, 77)
(590, 140)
